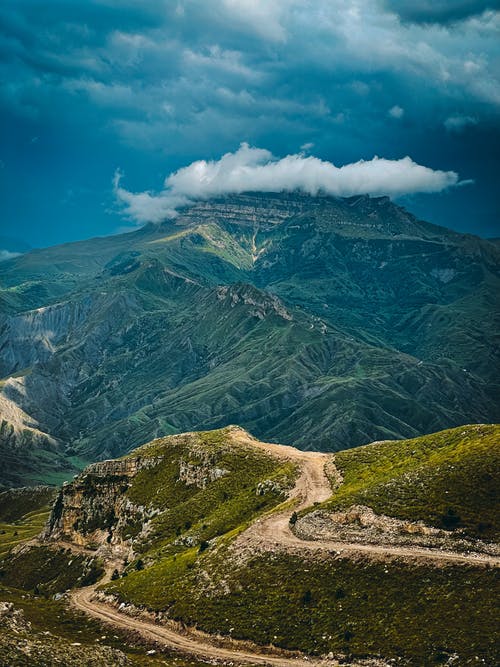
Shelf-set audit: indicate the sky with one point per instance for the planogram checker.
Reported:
(115, 112)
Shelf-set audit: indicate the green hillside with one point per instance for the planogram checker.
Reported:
(320, 322)
(320, 604)
(23, 513)
(182, 502)
(448, 479)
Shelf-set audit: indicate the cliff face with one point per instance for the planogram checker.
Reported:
(93, 510)
(179, 490)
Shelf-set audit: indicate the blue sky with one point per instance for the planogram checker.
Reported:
(147, 87)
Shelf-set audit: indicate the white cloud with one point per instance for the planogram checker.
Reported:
(6, 254)
(255, 169)
(261, 16)
(457, 123)
(145, 207)
(396, 112)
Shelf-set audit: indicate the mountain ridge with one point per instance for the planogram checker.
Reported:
(316, 321)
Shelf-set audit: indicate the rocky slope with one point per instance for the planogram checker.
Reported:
(21, 645)
(211, 480)
(321, 322)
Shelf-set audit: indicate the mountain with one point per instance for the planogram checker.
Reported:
(373, 556)
(325, 323)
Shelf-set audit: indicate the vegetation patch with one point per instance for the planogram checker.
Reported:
(16, 503)
(358, 608)
(12, 534)
(47, 571)
(448, 479)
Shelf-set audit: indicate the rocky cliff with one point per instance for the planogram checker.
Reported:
(93, 511)
(179, 490)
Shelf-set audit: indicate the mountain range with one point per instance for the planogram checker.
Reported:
(324, 323)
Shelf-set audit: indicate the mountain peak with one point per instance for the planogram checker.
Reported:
(310, 320)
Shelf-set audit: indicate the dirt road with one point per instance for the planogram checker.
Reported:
(195, 644)
(313, 486)
(271, 533)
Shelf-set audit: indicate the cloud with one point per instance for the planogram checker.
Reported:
(396, 112)
(261, 16)
(439, 11)
(257, 170)
(7, 254)
(145, 207)
(457, 123)
(154, 84)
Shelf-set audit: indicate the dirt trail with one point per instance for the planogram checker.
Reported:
(271, 533)
(173, 639)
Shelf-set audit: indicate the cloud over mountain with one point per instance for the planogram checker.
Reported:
(153, 85)
(256, 169)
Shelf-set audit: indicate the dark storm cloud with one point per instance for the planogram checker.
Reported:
(446, 11)
(151, 86)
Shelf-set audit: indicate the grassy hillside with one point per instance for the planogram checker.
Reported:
(448, 479)
(196, 492)
(23, 513)
(198, 487)
(46, 571)
(331, 603)
(16, 503)
(358, 608)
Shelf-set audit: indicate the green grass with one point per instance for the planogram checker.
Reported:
(358, 608)
(202, 514)
(448, 479)
(23, 513)
(16, 503)
(12, 534)
(48, 571)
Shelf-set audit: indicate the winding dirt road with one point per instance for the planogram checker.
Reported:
(313, 486)
(194, 644)
(270, 533)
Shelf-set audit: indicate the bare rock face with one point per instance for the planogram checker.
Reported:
(265, 211)
(201, 469)
(32, 337)
(360, 524)
(358, 518)
(93, 511)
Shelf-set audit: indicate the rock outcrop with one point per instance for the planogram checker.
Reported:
(360, 524)
(93, 510)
